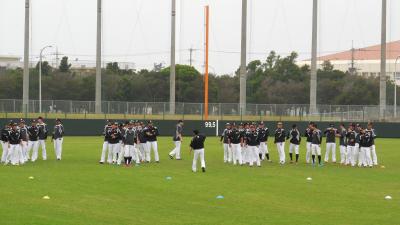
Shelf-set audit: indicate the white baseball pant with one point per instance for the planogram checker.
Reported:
(308, 152)
(281, 152)
(177, 150)
(198, 153)
(34, 147)
(330, 147)
(58, 147)
(237, 154)
(153, 145)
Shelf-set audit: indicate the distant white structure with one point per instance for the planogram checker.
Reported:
(10, 62)
(363, 61)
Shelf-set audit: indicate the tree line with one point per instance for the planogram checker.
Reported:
(276, 80)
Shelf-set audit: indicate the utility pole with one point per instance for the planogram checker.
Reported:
(352, 70)
(98, 59)
(243, 60)
(25, 88)
(207, 29)
(190, 57)
(172, 68)
(313, 77)
(382, 78)
(57, 57)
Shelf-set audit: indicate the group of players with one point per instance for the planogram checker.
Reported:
(128, 142)
(247, 144)
(21, 142)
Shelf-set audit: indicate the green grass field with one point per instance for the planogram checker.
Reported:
(85, 192)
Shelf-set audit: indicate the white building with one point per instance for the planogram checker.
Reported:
(10, 62)
(366, 61)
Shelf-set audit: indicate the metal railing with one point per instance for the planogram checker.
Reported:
(11, 108)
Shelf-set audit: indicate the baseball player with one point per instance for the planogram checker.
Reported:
(24, 139)
(263, 133)
(14, 150)
(57, 138)
(197, 145)
(330, 133)
(177, 138)
(130, 151)
(236, 140)
(5, 132)
(42, 136)
(308, 134)
(114, 135)
(366, 141)
(252, 143)
(33, 142)
(225, 140)
(107, 127)
(280, 135)
(316, 145)
(343, 147)
(371, 130)
(351, 149)
(294, 137)
(151, 133)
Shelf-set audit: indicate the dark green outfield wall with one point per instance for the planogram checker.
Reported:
(211, 128)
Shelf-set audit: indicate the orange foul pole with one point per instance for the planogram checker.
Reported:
(207, 12)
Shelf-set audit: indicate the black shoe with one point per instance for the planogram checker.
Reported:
(170, 156)
(157, 161)
(101, 162)
(203, 169)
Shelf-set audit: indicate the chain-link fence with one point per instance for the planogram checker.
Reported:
(12, 108)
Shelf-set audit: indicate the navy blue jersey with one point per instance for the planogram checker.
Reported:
(351, 138)
(5, 133)
(252, 138)
(225, 136)
(294, 136)
(151, 133)
(33, 132)
(308, 134)
(263, 134)
(236, 136)
(280, 135)
(317, 137)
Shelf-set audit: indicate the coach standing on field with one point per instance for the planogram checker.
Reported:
(197, 145)
(178, 138)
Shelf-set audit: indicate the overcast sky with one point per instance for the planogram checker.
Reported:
(138, 31)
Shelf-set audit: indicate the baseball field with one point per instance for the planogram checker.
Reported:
(81, 191)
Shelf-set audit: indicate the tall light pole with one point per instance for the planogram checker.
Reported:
(313, 75)
(382, 77)
(98, 60)
(25, 86)
(172, 66)
(40, 77)
(243, 60)
(395, 88)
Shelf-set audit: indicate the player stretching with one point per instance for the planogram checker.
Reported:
(295, 139)
(316, 145)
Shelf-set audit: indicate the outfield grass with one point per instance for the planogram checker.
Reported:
(84, 192)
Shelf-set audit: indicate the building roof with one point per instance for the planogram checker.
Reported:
(367, 53)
